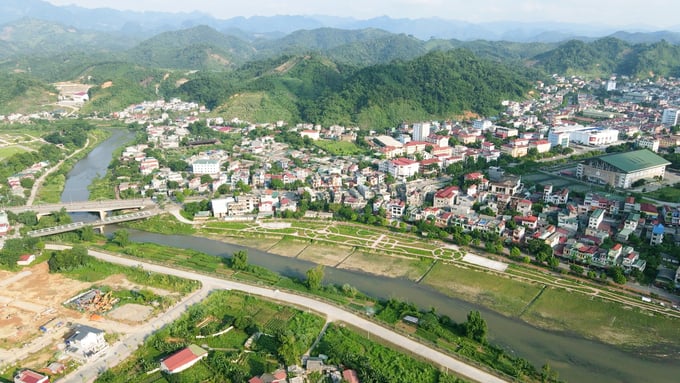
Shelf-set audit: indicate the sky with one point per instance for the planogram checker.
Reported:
(655, 14)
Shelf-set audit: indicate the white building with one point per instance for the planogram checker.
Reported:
(650, 143)
(482, 124)
(558, 138)
(400, 167)
(86, 341)
(585, 135)
(421, 130)
(670, 117)
(596, 218)
(205, 167)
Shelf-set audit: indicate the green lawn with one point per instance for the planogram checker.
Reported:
(339, 148)
(10, 151)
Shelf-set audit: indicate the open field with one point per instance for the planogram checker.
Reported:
(393, 267)
(289, 247)
(8, 151)
(612, 322)
(131, 312)
(558, 182)
(505, 295)
(325, 255)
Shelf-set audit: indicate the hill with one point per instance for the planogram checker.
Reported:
(316, 89)
(609, 55)
(437, 85)
(20, 93)
(196, 48)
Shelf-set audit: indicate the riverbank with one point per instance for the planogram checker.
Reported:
(541, 300)
(49, 188)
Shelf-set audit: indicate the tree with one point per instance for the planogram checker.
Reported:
(515, 252)
(475, 327)
(121, 237)
(239, 260)
(206, 179)
(315, 277)
(87, 234)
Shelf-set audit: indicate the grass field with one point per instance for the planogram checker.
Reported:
(393, 267)
(505, 295)
(668, 194)
(611, 322)
(9, 151)
(338, 148)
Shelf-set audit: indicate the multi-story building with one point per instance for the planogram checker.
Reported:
(596, 219)
(557, 137)
(400, 167)
(421, 131)
(670, 117)
(650, 143)
(446, 197)
(205, 166)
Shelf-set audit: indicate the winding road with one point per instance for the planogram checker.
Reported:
(123, 348)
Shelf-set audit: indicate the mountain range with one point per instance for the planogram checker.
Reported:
(147, 24)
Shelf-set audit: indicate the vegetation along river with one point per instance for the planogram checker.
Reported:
(576, 359)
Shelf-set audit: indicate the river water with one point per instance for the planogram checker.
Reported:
(576, 359)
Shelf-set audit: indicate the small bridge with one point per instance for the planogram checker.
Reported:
(97, 224)
(100, 206)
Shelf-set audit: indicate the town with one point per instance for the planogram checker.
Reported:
(576, 180)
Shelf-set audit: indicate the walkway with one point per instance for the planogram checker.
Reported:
(130, 342)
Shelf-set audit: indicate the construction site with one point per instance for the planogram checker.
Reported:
(37, 309)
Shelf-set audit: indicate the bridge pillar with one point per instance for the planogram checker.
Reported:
(102, 214)
(99, 229)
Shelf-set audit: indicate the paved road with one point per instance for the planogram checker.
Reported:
(125, 347)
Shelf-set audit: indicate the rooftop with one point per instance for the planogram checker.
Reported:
(634, 161)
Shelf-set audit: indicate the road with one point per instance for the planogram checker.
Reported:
(122, 349)
(38, 183)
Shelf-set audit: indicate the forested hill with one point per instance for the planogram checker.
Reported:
(316, 89)
(439, 84)
(603, 57)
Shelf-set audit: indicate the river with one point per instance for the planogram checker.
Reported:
(576, 359)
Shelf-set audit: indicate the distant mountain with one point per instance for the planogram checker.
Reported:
(647, 38)
(147, 24)
(33, 36)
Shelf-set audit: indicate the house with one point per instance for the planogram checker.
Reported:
(446, 197)
(524, 207)
(350, 376)
(28, 376)
(657, 235)
(205, 166)
(26, 259)
(596, 218)
(4, 223)
(86, 341)
(183, 359)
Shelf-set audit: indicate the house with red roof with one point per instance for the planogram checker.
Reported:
(446, 197)
(183, 359)
(350, 376)
(28, 376)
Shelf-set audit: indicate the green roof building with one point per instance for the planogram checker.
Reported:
(621, 170)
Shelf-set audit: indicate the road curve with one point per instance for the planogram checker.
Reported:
(332, 312)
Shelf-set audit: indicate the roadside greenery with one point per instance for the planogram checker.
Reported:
(284, 335)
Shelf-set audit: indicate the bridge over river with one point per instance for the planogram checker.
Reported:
(102, 207)
(96, 224)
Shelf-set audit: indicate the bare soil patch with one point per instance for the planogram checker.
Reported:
(392, 267)
(325, 255)
(131, 312)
